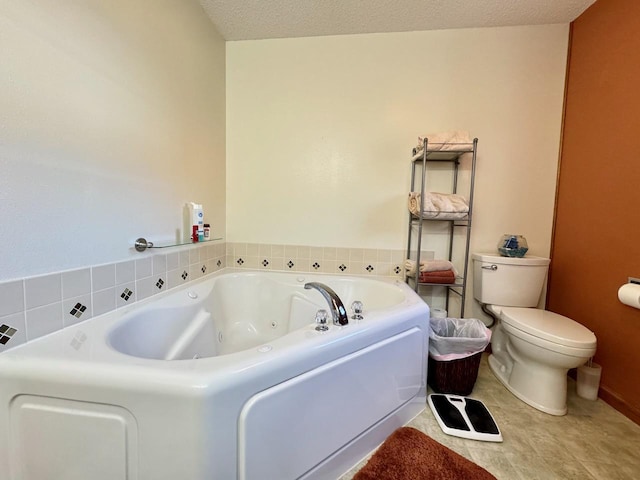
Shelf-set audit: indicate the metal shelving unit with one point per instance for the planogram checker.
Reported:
(453, 155)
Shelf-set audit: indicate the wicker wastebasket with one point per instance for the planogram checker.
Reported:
(457, 377)
(455, 351)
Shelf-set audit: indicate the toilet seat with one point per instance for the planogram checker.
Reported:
(549, 326)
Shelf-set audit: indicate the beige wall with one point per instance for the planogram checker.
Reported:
(319, 132)
(112, 116)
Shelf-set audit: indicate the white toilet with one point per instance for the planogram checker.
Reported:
(532, 349)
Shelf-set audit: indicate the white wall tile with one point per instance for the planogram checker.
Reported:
(43, 290)
(76, 283)
(11, 297)
(145, 287)
(173, 261)
(159, 265)
(103, 301)
(125, 272)
(103, 276)
(194, 256)
(144, 267)
(43, 320)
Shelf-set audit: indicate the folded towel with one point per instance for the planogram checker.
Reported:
(441, 206)
(437, 277)
(429, 266)
(454, 140)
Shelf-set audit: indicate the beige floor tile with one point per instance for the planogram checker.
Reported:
(592, 442)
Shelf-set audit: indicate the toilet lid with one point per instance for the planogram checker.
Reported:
(549, 326)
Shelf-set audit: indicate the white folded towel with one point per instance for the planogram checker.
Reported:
(443, 206)
(429, 266)
(454, 140)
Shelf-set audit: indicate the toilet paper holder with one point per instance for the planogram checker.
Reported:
(629, 293)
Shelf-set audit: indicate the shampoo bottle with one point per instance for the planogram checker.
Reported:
(197, 221)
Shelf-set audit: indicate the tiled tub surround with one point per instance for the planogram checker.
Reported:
(301, 258)
(35, 306)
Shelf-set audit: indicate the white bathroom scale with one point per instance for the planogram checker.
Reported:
(464, 417)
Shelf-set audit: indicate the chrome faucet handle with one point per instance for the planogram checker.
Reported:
(356, 308)
(321, 320)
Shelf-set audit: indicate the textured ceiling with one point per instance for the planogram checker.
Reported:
(259, 19)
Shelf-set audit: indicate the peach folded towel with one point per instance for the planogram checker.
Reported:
(437, 277)
(454, 140)
(442, 206)
(429, 266)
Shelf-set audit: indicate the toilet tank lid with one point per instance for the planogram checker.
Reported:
(549, 326)
(530, 260)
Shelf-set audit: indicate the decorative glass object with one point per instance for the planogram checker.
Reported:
(512, 245)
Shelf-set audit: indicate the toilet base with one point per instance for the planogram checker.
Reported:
(553, 388)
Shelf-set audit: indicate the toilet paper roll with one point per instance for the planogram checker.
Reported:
(629, 294)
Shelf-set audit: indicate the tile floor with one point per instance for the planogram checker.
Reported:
(592, 442)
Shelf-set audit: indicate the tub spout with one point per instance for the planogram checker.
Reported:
(335, 304)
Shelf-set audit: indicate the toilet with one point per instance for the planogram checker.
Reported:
(532, 349)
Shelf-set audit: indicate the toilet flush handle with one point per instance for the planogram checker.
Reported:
(490, 267)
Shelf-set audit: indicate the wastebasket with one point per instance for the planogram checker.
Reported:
(455, 351)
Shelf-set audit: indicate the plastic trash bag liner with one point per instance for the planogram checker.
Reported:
(453, 338)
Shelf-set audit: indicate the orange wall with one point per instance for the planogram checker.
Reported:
(596, 244)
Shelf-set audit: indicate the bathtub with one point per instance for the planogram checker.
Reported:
(224, 378)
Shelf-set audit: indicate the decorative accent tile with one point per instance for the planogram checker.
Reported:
(18, 337)
(77, 310)
(6, 332)
(369, 268)
(184, 275)
(240, 261)
(315, 265)
(265, 262)
(290, 264)
(397, 269)
(219, 263)
(342, 267)
(126, 294)
(160, 283)
(203, 269)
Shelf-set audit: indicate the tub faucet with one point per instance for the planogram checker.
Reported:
(336, 306)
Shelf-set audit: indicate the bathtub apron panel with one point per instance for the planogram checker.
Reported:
(288, 429)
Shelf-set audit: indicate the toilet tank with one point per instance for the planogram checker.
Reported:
(508, 281)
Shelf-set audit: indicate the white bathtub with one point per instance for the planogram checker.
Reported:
(225, 378)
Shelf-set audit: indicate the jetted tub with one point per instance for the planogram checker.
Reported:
(224, 378)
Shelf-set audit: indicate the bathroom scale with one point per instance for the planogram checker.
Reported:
(464, 417)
